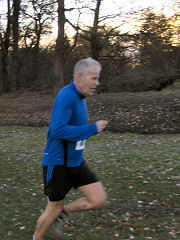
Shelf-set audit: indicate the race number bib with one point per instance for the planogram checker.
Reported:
(80, 145)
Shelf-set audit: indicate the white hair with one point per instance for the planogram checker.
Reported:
(83, 65)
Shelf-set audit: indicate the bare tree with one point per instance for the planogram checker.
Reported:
(4, 44)
(94, 33)
(64, 45)
(60, 43)
(94, 38)
(38, 16)
(15, 34)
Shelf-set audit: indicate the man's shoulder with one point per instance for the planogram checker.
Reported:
(67, 91)
(66, 95)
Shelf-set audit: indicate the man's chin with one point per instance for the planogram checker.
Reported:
(93, 91)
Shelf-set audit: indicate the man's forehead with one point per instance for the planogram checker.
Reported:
(93, 68)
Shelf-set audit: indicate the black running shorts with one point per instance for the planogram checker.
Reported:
(58, 180)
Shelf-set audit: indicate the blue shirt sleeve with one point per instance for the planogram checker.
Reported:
(60, 119)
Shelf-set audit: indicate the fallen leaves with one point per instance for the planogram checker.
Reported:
(140, 174)
(100, 226)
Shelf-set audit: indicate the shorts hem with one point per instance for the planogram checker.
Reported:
(84, 184)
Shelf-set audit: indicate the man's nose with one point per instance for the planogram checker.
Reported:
(97, 82)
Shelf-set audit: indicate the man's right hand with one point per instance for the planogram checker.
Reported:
(101, 125)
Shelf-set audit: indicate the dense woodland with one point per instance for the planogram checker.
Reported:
(148, 59)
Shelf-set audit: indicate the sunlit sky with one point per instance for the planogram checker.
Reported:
(139, 4)
(108, 7)
(116, 7)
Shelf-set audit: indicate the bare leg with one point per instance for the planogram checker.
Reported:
(95, 197)
(50, 214)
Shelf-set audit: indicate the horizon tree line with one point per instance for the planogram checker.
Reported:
(141, 61)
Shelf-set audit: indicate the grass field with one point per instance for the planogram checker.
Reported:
(140, 174)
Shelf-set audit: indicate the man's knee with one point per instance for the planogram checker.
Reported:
(55, 208)
(95, 195)
(99, 201)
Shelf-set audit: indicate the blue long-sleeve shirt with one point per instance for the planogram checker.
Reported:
(68, 124)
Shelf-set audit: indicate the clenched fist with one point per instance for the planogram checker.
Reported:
(101, 125)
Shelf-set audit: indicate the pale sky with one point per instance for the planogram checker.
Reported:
(124, 6)
(139, 4)
(110, 7)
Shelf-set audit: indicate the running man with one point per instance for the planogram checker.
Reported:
(63, 164)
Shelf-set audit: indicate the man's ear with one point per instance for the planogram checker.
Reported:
(77, 79)
(78, 76)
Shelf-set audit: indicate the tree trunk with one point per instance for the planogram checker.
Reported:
(95, 48)
(14, 59)
(60, 48)
(5, 81)
(36, 53)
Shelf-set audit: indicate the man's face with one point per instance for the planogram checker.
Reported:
(89, 81)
